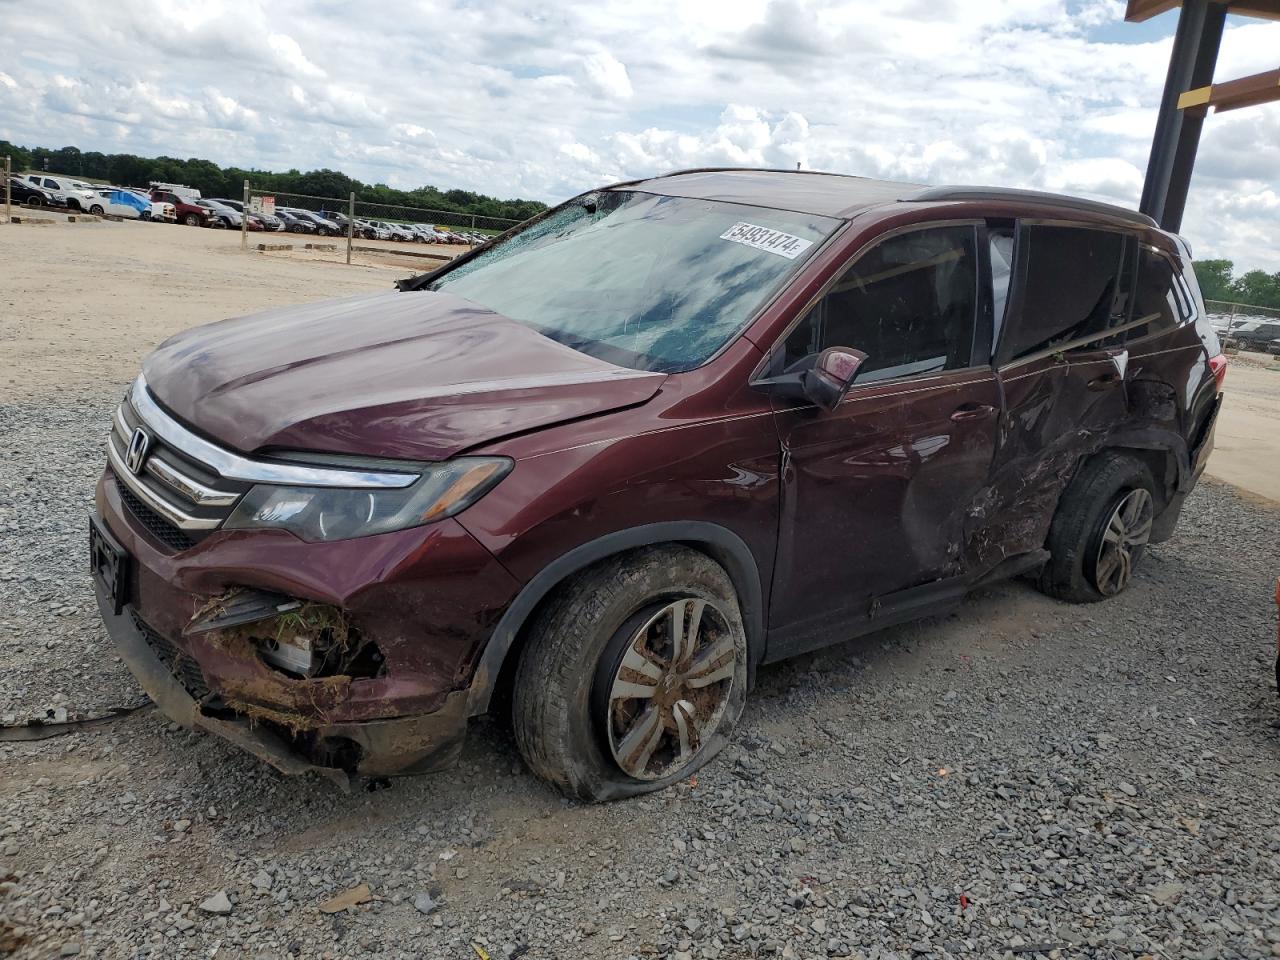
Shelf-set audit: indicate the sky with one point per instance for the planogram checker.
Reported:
(543, 100)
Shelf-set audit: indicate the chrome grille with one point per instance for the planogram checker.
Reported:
(174, 497)
(181, 486)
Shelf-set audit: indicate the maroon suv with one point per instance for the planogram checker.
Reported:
(608, 464)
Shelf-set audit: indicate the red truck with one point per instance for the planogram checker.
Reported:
(188, 211)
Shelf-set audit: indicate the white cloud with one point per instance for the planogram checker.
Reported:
(607, 75)
(547, 100)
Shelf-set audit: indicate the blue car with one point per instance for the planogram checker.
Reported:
(121, 203)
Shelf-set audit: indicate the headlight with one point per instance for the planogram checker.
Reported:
(328, 513)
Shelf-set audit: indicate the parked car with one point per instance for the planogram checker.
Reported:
(121, 203)
(66, 192)
(324, 226)
(24, 191)
(359, 227)
(267, 220)
(1254, 334)
(422, 232)
(187, 209)
(227, 217)
(393, 231)
(823, 405)
(293, 223)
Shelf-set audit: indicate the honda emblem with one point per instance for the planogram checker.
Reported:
(136, 455)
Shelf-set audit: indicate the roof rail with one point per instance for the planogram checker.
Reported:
(1032, 196)
(821, 173)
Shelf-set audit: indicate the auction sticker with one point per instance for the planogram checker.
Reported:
(763, 238)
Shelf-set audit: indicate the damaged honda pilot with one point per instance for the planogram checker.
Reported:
(598, 470)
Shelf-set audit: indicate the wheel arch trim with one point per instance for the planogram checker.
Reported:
(720, 543)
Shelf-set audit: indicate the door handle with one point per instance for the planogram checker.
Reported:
(972, 411)
(1106, 382)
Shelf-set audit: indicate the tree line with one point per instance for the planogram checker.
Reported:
(1257, 288)
(127, 170)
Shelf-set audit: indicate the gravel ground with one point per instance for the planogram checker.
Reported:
(1023, 778)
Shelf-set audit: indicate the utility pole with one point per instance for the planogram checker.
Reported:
(351, 223)
(8, 187)
(244, 220)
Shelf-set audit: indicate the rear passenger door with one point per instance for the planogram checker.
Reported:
(1062, 366)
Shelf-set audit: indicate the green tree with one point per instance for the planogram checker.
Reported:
(1215, 278)
(1258, 288)
(19, 157)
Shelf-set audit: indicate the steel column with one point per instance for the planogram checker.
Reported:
(1177, 136)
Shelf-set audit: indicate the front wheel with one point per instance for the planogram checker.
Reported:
(96, 210)
(1100, 530)
(634, 675)
(191, 220)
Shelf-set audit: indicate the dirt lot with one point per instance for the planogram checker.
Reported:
(84, 301)
(1247, 441)
(1023, 778)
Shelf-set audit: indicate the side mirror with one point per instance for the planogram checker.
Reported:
(828, 380)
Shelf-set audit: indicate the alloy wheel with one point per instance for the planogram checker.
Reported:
(1126, 532)
(670, 689)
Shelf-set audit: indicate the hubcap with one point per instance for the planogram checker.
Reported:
(671, 688)
(1128, 529)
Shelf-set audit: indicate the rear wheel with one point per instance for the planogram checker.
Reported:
(633, 676)
(1101, 529)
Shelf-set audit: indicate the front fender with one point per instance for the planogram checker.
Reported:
(721, 543)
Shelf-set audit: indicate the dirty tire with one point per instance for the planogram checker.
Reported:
(578, 636)
(96, 210)
(1078, 525)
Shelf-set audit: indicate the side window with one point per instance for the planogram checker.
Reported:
(1070, 284)
(1157, 295)
(909, 303)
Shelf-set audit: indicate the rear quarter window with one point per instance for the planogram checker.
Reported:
(1069, 284)
(1158, 295)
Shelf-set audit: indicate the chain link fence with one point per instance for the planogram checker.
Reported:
(1242, 325)
(367, 225)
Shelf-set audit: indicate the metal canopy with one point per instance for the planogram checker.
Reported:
(1189, 91)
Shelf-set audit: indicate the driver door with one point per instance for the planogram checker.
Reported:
(876, 494)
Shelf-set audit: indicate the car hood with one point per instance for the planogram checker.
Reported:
(414, 375)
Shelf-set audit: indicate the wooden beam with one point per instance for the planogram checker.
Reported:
(1234, 94)
(1139, 10)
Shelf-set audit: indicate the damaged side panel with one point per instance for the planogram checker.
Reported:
(1059, 410)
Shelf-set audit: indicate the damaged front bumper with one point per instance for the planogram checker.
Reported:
(403, 745)
(416, 607)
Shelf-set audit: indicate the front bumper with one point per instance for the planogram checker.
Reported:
(425, 598)
(404, 745)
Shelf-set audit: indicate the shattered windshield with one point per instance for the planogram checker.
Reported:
(643, 281)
